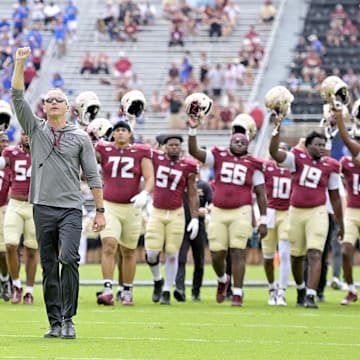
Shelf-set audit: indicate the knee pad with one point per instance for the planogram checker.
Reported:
(152, 257)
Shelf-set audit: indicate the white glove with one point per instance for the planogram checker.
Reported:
(140, 200)
(193, 228)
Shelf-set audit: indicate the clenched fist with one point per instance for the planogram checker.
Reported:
(22, 53)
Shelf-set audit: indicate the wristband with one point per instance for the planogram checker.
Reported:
(263, 220)
(192, 131)
(100, 210)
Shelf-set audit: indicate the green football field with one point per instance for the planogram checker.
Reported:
(189, 330)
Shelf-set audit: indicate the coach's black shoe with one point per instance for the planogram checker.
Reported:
(179, 295)
(157, 290)
(165, 298)
(301, 293)
(310, 302)
(53, 332)
(68, 329)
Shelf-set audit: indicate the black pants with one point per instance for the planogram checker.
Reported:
(58, 232)
(197, 247)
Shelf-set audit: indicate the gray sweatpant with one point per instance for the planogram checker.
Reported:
(58, 232)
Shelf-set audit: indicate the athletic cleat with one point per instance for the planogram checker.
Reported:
(28, 299)
(127, 298)
(349, 298)
(16, 295)
(195, 296)
(158, 284)
(272, 297)
(320, 297)
(310, 302)
(105, 299)
(280, 300)
(118, 296)
(222, 290)
(165, 298)
(179, 295)
(5, 289)
(301, 293)
(237, 300)
(336, 284)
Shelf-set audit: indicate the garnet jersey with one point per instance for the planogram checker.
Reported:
(310, 179)
(278, 186)
(20, 168)
(121, 170)
(352, 175)
(5, 176)
(171, 178)
(233, 180)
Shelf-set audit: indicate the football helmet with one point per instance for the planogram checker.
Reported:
(99, 128)
(278, 100)
(244, 124)
(87, 106)
(5, 115)
(334, 91)
(198, 105)
(355, 112)
(133, 104)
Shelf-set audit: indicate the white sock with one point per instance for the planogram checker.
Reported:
(310, 292)
(301, 286)
(352, 289)
(17, 283)
(171, 268)
(237, 291)
(155, 269)
(29, 290)
(120, 288)
(223, 278)
(272, 286)
(285, 266)
(107, 289)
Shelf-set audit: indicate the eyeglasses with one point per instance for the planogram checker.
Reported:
(56, 99)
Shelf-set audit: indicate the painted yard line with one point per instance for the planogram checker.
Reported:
(199, 340)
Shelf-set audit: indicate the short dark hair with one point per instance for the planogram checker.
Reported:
(167, 137)
(314, 134)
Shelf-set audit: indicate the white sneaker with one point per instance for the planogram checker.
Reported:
(280, 300)
(272, 297)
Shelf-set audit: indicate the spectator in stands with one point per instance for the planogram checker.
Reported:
(232, 12)
(71, 15)
(312, 64)
(334, 35)
(114, 31)
(216, 21)
(87, 63)
(176, 36)
(29, 74)
(130, 27)
(58, 81)
(134, 83)
(257, 113)
(59, 33)
(216, 79)
(293, 82)
(173, 77)
(52, 12)
(175, 103)
(316, 44)
(155, 101)
(38, 15)
(257, 51)
(204, 66)
(350, 32)
(339, 13)
(102, 63)
(37, 56)
(122, 65)
(306, 85)
(18, 18)
(185, 69)
(267, 12)
(191, 85)
(230, 79)
(251, 33)
(147, 13)
(109, 13)
(6, 58)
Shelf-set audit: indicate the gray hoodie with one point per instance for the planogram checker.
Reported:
(57, 155)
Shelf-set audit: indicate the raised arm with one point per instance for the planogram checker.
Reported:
(341, 118)
(193, 147)
(17, 81)
(278, 155)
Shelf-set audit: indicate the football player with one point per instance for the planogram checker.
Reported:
(312, 175)
(165, 227)
(5, 287)
(278, 190)
(123, 165)
(237, 174)
(19, 221)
